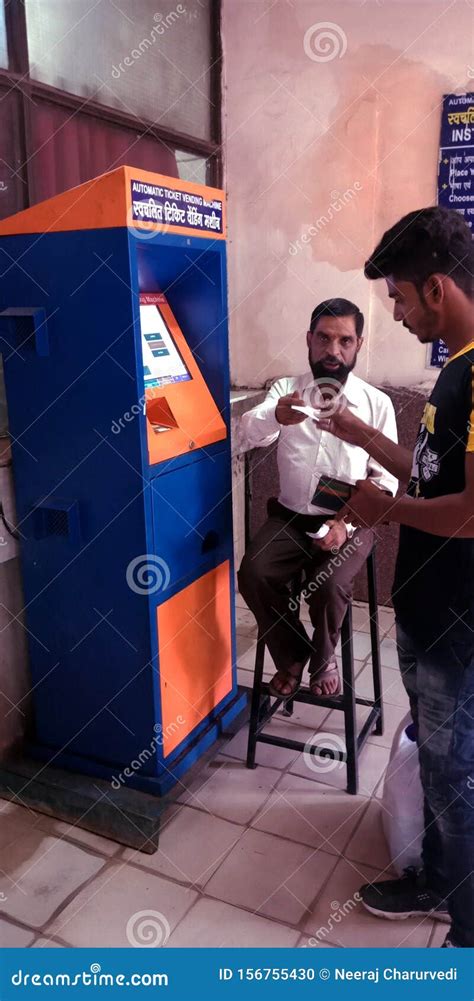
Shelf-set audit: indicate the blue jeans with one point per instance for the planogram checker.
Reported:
(439, 679)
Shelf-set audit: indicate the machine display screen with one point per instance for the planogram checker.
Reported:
(162, 362)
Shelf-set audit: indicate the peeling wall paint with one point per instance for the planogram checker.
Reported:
(325, 149)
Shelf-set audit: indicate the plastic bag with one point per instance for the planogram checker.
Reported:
(403, 819)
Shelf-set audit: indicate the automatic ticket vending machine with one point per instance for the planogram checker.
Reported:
(114, 337)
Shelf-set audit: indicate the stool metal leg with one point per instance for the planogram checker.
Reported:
(287, 708)
(375, 640)
(349, 703)
(255, 704)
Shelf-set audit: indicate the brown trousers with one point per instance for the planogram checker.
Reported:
(275, 556)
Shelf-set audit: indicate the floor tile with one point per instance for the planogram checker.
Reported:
(14, 827)
(361, 645)
(244, 643)
(306, 942)
(244, 679)
(231, 791)
(372, 764)
(47, 943)
(13, 937)
(305, 714)
(389, 654)
(46, 871)
(393, 716)
(11, 808)
(275, 877)
(339, 918)
(360, 617)
(368, 845)
(393, 690)
(246, 658)
(310, 813)
(245, 623)
(191, 846)
(61, 829)
(214, 924)
(335, 721)
(440, 930)
(386, 617)
(281, 727)
(123, 897)
(266, 754)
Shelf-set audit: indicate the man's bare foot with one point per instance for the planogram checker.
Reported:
(326, 682)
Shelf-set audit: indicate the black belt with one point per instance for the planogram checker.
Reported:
(303, 522)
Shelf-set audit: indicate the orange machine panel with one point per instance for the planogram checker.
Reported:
(181, 416)
(195, 653)
(106, 201)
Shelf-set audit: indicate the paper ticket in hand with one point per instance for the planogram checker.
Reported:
(321, 533)
(308, 411)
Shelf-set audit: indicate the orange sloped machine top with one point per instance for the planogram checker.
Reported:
(127, 196)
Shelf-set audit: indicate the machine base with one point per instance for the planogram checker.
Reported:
(132, 818)
(156, 785)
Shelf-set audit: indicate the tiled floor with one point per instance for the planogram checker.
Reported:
(269, 857)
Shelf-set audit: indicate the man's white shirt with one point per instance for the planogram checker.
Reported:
(305, 453)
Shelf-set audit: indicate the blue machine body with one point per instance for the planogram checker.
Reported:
(88, 501)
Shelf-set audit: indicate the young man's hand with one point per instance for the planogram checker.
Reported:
(345, 425)
(368, 505)
(284, 412)
(335, 538)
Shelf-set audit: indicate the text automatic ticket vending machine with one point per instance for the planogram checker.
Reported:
(114, 337)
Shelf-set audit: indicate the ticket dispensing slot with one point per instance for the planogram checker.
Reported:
(177, 400)
(158, 412)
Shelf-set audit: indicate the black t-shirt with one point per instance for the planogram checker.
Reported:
(434, 577)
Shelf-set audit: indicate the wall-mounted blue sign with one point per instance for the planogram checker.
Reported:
(455, 172)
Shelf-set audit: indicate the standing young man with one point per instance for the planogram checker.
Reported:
(426, 260)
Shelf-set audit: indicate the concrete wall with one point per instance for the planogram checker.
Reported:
(323, 156)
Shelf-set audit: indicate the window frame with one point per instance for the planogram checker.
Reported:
(17, 77)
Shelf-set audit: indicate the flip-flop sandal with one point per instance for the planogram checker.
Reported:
(315, 682)
(286, 679)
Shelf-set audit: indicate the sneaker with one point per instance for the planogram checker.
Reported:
(407, 897)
